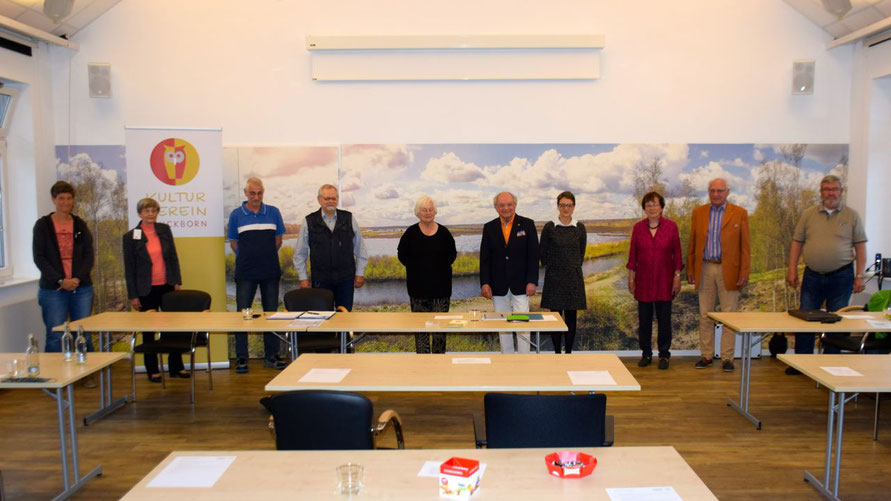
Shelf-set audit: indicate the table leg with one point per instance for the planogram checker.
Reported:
(78, 480)
(832, 427)
(293, 337)
(106, 403)
(745, 380)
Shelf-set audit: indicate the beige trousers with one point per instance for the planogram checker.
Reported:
(711, 289)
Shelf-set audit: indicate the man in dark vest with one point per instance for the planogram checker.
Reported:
(330, 239)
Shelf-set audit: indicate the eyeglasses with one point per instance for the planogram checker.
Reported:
(329, 199)
(652, 205)
(565, 206)
(715, 190)
(255, 193)
(830, 190)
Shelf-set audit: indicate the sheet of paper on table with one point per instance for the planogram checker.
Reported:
(306, 322)
(431, 468)
(642, 494)
(842, 371)
(284, 315)
(324, 315)
(192, 471)
(448, 317)
(591, 377)
(854, 315)
(471, 360)
(880, 324)
(324, 376)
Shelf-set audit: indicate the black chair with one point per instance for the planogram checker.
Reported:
(328, 420)
(314, 300)
(183, 300)
(519, 421)
(860, 342)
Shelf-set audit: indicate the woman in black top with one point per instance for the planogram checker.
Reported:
(427, 250)
(151, 269)
(562, 251)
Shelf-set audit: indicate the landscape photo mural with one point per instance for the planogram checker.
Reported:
(381, 182)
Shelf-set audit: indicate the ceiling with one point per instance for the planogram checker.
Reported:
(30, 12)
(862, 14)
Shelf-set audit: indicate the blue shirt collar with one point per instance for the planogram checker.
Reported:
(248, 211)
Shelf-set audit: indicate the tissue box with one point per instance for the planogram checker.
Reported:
(459, 478)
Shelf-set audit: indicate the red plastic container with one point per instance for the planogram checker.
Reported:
(588, 461)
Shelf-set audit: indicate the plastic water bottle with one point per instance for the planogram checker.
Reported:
(67, 344)
(80, 346)
(32, 354)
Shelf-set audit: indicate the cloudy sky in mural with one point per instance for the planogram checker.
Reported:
(381, 182)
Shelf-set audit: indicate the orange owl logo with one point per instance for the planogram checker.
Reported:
(174, 161)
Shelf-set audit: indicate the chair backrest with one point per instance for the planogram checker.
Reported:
(309, 299)
(322, 420)
(185, 300)
(514, 421)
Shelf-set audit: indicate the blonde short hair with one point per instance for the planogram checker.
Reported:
(423, 201)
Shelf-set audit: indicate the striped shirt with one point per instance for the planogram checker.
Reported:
(257, 254)
(713, 237)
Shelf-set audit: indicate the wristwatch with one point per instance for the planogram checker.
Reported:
(60, 281)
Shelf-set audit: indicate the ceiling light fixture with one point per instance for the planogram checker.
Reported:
(57, 9)
(837, 7)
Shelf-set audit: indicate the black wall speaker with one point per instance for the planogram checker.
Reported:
(100, 79)
(803, 76)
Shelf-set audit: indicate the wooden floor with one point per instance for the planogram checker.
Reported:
(681, 407)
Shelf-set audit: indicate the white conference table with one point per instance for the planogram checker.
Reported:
(411, 322)
(874, 377)
(754, 325)
(467, 372)
(62, 376)
(511, 474)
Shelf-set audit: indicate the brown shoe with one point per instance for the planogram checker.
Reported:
(89, 381)
(703, 363)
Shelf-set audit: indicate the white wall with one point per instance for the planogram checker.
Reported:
(682, 71)
(29, 151)
(870, 145)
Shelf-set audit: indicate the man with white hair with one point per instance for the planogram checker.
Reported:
(832, 240)
(331, 240)
(255, 235)
(509, 264)
(718, 263)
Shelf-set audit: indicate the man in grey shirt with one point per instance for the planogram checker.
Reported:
(331, 240)
(832, 241)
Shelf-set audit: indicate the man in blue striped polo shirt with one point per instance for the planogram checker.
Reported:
(255, 235)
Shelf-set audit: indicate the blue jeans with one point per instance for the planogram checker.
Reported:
(245, 290)
(833, 288)
(343, 292)
(57, 306)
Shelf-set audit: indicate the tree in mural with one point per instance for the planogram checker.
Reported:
(101, 202)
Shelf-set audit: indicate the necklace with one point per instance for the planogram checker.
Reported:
(654, 227)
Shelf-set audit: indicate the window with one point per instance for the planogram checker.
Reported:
(8, 96)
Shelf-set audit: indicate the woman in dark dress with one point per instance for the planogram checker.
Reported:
(562, 251)
(151, 269)
(427, 250)
(654, 276)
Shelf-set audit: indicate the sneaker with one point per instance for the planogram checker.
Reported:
(727, 366)
(275, 363)
(644, 361)
(791, 371)
(241, 366)
(703, 363)
(663, 363)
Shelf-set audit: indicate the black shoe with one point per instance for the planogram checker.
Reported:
(792, 371)
(644, 361)
(181, 374)
(703, 363)
(241, 366)
(275, 363)
(727, 366)
(663, 363)
(154, 379)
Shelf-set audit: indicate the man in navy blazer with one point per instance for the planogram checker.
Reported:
(509, 265)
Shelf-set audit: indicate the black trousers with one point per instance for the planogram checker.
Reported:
(425, 342)
(645, 327)
(153, 302)
(570, 317)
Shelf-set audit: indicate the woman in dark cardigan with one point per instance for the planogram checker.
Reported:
(151, 269)
(427, 250)
(63, 252)
(562, 251)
